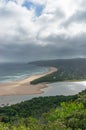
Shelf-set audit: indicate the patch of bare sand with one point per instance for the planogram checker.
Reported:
(23, 87)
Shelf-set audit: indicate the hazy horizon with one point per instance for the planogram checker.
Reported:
(29, 61)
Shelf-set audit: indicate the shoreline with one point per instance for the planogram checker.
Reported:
(23, 87)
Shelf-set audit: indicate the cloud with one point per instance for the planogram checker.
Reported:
(39, 29)
(79, 18)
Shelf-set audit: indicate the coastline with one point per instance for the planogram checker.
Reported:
(23, 87)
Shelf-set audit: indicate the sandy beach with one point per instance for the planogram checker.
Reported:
(23, 87)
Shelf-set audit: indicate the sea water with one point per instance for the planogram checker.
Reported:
(17, 71)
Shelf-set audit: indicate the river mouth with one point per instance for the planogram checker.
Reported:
(53, 89)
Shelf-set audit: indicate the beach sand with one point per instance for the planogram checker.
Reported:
(23, 87)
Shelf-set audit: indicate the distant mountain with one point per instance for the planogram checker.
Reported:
(58, 62)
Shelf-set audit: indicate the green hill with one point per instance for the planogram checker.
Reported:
(46, 113)
(68, 69)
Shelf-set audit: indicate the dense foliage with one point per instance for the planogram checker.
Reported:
(68, 69)
(61, 113)
(34, 107)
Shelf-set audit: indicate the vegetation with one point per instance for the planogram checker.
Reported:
(68, 69)
(34, 107)
(46, 113)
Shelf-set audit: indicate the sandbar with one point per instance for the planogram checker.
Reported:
(24, 87)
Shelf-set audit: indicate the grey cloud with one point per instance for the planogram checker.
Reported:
(29, 52)
(59, 13)
(78, 17)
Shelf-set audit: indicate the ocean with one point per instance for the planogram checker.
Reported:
(16, 71)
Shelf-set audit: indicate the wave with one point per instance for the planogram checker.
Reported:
(15, 75)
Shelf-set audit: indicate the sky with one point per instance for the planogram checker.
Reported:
(42, 29)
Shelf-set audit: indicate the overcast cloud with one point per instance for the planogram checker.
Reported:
(42, 29)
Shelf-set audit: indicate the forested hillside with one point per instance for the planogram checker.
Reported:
(68, 69)
(48, 113)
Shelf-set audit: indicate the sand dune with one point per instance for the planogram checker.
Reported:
(23, 86)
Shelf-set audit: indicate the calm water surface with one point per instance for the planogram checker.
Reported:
(58, 88)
